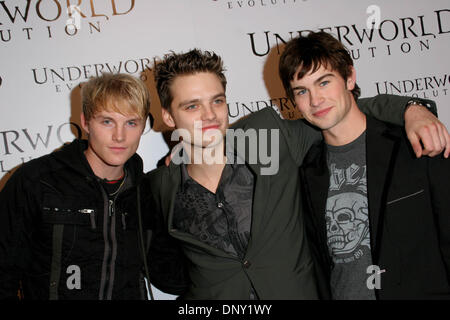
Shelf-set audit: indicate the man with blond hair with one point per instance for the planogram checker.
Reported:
(74, 222)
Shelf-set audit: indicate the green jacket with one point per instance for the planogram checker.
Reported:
(277, 264)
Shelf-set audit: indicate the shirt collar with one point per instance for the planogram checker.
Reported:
(231, 165)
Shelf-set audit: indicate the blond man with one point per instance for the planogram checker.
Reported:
(74, 222)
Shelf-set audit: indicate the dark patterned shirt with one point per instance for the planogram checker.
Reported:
(221, 219)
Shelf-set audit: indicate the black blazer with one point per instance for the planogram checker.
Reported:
(409, 213)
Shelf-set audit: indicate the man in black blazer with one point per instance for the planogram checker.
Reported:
(377, 216)
(240, 223)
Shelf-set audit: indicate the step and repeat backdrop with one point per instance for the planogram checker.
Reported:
(48, 48)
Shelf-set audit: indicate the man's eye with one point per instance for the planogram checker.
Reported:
(300, 92)
(191, 107)
(219, 101)
(324, 83)
(106, 121)
(132, 123)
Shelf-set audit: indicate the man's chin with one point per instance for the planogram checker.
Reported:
(117, 162)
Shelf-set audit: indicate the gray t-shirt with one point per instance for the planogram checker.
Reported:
(347, 219)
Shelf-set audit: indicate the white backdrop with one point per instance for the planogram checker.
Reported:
(49, 47)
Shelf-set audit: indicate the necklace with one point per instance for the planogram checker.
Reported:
(120, 186)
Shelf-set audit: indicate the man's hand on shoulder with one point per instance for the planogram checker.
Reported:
(422, 126)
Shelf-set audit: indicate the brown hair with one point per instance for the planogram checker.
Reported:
(307, 53)
(192, 62)
(120, 93)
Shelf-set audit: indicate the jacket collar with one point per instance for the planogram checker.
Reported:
(72, 155)
(381, 147)
(170, 182)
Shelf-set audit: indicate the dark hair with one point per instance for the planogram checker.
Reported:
(192, 62)
(308, 53)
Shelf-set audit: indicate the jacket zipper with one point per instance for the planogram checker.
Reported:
(109, 257)
(111, 207)
(104, 272)
(113, 252)
(91, 213)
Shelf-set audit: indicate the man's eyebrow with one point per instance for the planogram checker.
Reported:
(185, 102)
(194, 101)
(323, 77)
(102, 116)
(315, 81)
(134, 119)
(222, 94)
(298, 88)
(107, 117)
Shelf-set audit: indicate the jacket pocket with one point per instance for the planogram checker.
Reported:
(67, 222)
(67, 210)
(55, 215)
(405, 197)
(404, 218)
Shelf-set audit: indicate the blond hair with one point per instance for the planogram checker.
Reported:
(120, 93)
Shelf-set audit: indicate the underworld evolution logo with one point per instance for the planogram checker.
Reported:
(283, 106)
(76, 17)
(18, 145)
(239, 4)
(66, 78)
(428, 87)
(397, 36)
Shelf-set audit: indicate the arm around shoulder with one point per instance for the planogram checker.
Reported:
(385, 107)
(298, 135)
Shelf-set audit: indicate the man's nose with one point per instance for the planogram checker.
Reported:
(119, 134)
(316, 98)
(208, 113)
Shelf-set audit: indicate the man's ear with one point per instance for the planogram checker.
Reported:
(167, 118)
(351, 79)
(84, 123)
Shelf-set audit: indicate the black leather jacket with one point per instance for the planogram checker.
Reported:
(62, 237)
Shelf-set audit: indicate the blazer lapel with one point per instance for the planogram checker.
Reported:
(316, 182)
(260, 196)
(380, 147)
(169, 187)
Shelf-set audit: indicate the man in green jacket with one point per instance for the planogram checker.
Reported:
(236, 206)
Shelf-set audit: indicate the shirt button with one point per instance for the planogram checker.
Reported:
(220, 205)
(247, 264)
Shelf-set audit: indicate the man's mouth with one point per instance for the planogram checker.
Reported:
(322, 112)
(205, 128)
